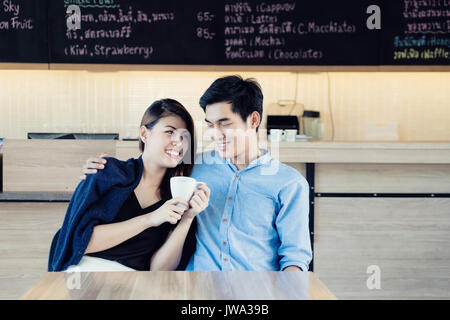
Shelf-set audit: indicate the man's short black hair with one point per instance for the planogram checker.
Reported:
(245, 96)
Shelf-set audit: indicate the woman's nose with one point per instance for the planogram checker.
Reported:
(177, 138)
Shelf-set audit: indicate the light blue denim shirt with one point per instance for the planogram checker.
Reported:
(257, 218)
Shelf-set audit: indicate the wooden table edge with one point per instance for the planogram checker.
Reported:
(324, 291)
(56, 281)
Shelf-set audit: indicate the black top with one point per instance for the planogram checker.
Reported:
(137, 251)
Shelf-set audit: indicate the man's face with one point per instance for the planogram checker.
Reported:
(228, 130)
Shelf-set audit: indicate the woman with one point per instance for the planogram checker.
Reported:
(123, 218)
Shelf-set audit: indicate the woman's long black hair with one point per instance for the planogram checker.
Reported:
(164, 108)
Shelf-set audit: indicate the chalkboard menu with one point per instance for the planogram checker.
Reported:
(222, 32)
(23, 31)
(416, 32)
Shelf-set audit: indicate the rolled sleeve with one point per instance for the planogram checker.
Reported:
(292, 224)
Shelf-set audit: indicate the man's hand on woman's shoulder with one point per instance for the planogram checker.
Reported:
(93, 164)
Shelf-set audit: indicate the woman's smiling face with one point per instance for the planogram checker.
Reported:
(166, 142)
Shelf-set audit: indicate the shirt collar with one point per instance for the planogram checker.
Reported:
(264, 159)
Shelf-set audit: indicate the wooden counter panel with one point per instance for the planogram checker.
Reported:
(26, 232)
(127, 149)
(408, 238)
(48, 165)
(382, 178)
(364, 155)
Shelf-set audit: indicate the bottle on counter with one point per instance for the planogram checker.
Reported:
(312, 125)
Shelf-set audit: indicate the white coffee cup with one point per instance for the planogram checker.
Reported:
(276, 134)
(290, 135)
(183, 187)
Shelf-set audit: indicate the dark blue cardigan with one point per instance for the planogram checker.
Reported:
(96, 200)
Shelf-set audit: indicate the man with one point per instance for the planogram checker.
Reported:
(257, 218)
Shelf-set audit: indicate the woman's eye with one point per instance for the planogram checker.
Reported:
(169, 131)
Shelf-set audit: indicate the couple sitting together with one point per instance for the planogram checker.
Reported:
(251, 212)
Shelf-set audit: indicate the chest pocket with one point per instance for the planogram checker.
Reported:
(255, 215)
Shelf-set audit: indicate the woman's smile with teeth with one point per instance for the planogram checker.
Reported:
(173, 153)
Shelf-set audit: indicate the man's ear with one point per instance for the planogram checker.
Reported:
(255, 119)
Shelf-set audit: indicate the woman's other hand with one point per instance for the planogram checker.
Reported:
(199, 202)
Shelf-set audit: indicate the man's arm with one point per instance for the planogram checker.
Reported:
(292, 224)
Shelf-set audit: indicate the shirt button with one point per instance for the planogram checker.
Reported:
(225, 259)
(224, 219)
(229, 198)
(236, 175)
(224, 242)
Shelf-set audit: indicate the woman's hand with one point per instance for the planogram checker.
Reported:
(168, 212)
(199, 202)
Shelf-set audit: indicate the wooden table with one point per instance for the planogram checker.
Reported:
(180, 285)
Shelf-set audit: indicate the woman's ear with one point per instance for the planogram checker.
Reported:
(143, 134)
